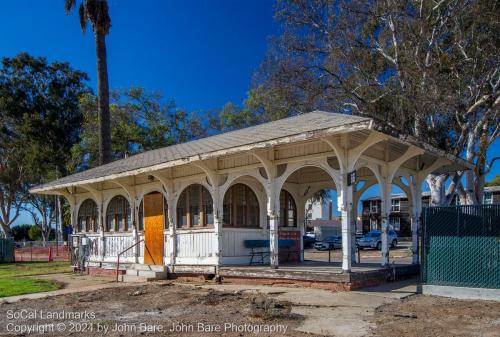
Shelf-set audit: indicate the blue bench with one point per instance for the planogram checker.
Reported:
(256, 249)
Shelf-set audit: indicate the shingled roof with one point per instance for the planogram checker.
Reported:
(262, 135)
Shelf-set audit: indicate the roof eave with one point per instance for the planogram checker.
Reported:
(410, 140)
(345, 128)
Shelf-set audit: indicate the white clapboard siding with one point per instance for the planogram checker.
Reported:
(94, 247)
(233, 240)
(166, 245)
(233, 244)
(116, 244)
(195, 247)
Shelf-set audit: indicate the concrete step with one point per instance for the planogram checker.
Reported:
(151, 267)
(147, 273)
(153, 274)
(133, 278)
(144, 272)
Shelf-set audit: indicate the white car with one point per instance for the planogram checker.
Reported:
(330, 242)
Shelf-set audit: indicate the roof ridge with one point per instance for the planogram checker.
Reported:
(225, 134)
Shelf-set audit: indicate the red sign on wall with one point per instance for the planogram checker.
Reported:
(291, 254)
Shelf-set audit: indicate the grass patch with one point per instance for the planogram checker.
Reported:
(33, 268)
(25, 285)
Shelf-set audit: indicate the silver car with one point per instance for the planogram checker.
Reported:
(330, 242)
(373, 239)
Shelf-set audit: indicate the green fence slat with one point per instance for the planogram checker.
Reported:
(461, 246)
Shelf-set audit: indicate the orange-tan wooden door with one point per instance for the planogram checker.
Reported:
(153, 228)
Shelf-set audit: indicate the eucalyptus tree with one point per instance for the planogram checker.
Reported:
(428, 68)
(96, 12)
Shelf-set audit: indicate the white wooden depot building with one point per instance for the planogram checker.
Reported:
(195, 204)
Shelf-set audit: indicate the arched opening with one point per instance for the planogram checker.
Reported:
(195, 208)
(304, 190)
(140, 225)
(118, 215)
(87, 216)
(240, 207)
(321, 208)
(369, 206)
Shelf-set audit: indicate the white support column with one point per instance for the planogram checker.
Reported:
(74, 216)
(354, 216)
(346, 203)
(172, 232)
(102, 242)
(274, 240)
(217, 244)
(135, 223)
(301, 206)
(416, 211)
(385, 190)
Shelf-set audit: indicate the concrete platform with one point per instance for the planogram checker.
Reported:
(322, 274)
(461, 293)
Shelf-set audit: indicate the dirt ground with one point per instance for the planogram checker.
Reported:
(422, 316)
(209, 309)
(147, 309)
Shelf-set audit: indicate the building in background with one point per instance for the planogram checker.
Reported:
(399, 218)
(492, 195)
(320, 220)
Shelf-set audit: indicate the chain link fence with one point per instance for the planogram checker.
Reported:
(461, 246)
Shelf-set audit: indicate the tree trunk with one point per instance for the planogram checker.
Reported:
(7, 231)
(103, 99)
(437, 187)
(44, 227)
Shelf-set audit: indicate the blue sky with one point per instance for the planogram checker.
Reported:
(200, 53)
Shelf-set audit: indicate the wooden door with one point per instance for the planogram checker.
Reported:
(153, 228)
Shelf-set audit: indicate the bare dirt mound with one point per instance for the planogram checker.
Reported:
(142, 310)
(422, 316)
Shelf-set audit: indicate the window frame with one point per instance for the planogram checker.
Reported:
(121, 218)
(231, 208)
(396, 205)
(83, 219)
(205, 210)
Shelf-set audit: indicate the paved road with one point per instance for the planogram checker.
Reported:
(399, 255)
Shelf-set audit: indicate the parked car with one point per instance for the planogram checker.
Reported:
(373, 239)
(359, 234)
(330, 242)
(311, 234)
(308, 241)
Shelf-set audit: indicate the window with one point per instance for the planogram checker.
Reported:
(240, 207)
(141, 214)
(395, 205)
(288, 210)
(195, 208)
(118, 216)
(374, 206)
(373, 224)
(87, 216)
(395, 224)
(488, 198)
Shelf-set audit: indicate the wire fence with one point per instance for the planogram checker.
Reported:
(30, 251)
(461, 246)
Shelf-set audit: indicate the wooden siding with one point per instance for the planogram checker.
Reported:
(197, 245)
(115, 244)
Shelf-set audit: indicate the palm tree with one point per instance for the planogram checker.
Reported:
(96, 12)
